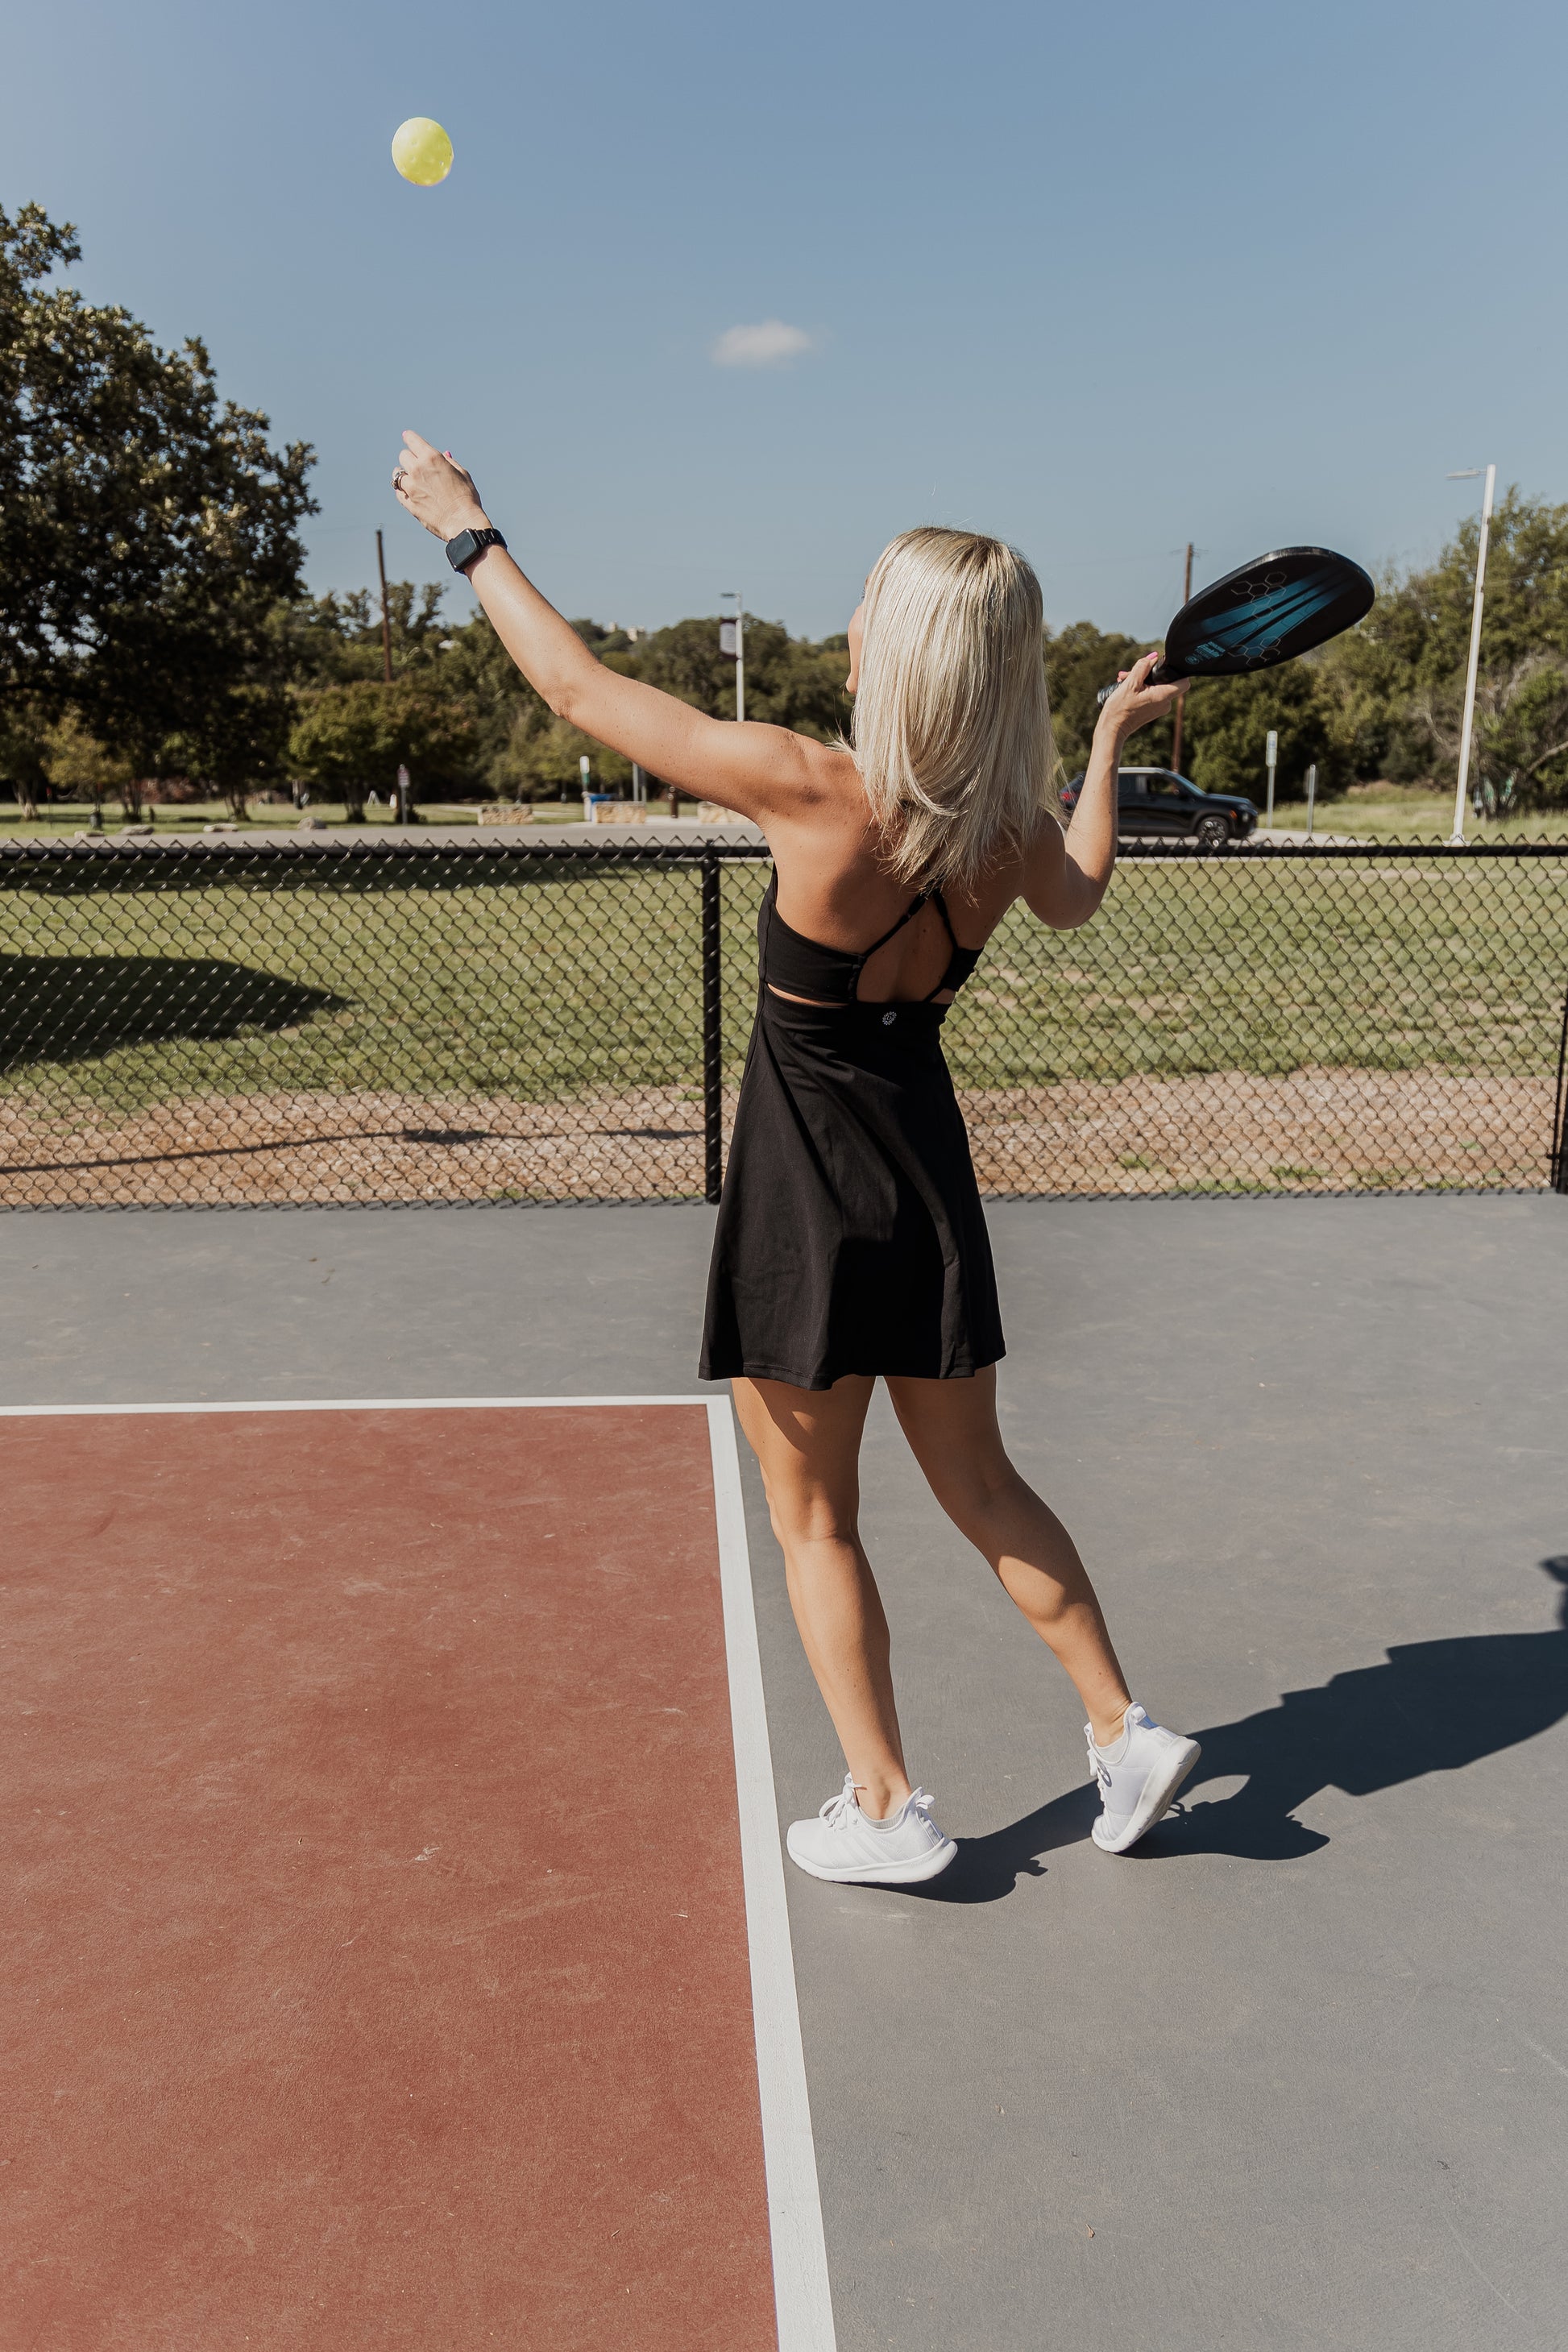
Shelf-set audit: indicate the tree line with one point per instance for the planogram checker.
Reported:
(156, 637)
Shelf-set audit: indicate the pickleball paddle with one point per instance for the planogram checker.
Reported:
(1269, 611)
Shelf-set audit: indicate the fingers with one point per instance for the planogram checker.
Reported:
(419, 446)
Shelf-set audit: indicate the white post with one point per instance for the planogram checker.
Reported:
(740, 655)
(1312, 795)
(584, 779)
(1469, 717)
(1271, 753)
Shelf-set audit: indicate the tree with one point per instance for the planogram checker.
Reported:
(24, 750)
(1228, 720)
(1521, 700)
(148, 531)
(79, 764)
(352, 738)
(1080, 660)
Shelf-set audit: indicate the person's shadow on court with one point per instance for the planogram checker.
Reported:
(1434, 1706)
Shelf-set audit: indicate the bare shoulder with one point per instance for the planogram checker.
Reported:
(1008, 877)
(805, 775)
(800, 781)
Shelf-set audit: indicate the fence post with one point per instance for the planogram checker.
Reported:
(712, 1040)
(1559, 1116)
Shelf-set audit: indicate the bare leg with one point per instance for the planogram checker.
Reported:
(951, 1429)
(807, 1442)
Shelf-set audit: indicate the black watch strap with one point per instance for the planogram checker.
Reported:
(467, 545)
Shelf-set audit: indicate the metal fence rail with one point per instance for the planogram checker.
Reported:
(408, 1020)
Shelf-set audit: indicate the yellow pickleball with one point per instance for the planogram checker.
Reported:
(422, 150)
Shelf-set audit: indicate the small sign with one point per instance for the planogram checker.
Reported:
(1273, 747)
(727, 645)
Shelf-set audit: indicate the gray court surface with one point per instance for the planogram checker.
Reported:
(1293, 2077)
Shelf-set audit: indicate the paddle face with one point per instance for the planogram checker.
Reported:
(1271, 610)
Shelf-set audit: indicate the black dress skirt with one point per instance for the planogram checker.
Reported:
(851, 1236)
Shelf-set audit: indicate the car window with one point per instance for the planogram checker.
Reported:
(1128, 784)
(1165, 788)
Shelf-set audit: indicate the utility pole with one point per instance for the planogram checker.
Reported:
(385, 620)
(1470, 719)
(1177, 722)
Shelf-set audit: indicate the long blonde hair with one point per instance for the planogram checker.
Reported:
(951, 730)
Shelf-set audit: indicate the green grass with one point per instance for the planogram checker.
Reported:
(1405, 812)
(123, 987)
(1270, 967)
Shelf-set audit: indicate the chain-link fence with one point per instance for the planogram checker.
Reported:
(218, 1021)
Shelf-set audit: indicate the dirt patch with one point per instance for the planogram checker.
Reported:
(1310, 1131)
(1314, 1131)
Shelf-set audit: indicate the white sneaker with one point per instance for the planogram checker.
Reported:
(839, 1843)
(1139, 1776)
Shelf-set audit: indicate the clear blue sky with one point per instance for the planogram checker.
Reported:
(1099, 280)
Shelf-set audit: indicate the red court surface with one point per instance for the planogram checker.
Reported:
(377, 1951)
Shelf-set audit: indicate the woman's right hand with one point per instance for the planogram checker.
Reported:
(1134, 702)
(435, 490)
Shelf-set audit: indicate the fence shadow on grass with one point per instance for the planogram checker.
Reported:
(1433, 1707)
(76, 1008)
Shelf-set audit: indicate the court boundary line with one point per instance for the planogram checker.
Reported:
(344, 1405)
(801, 2290)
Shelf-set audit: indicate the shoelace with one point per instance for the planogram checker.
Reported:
(839, 1812)
(1098, 1771)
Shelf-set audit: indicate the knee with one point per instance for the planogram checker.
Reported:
(806, 1514)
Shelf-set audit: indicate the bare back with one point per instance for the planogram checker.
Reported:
(834, 885)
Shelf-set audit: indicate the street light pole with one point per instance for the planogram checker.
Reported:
(739, 625)
(1469, 474)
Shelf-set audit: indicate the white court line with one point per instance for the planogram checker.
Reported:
(802, 2295)
(346, 1404)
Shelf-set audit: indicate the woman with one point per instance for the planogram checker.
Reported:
(850, 1243)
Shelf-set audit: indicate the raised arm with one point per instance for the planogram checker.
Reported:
(757, 771)
(1065, 878)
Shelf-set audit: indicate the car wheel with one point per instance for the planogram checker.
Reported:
(1212, 833)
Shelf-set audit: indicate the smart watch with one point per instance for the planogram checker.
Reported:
(467, 545)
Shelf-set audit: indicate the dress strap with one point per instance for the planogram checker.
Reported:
(910, 911)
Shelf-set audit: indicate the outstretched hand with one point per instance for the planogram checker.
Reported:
(1134, 702)
(435, 490)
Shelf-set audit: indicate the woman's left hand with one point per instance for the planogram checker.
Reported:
(435, 490)
(1134, 702)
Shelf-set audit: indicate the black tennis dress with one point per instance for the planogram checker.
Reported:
(851, 1236)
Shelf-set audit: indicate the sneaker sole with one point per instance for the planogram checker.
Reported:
(1160, 1793)
(888, 1873)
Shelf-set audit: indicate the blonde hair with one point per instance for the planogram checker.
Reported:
(951, 730)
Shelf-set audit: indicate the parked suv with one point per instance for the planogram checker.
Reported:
(1158, 800)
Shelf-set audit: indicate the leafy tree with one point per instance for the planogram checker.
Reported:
(352, 738)
(334, 638)
(148, 531)
(25, 750)
(1080, 660)
(1521, 704)
(79, 765)
(1228, 720)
